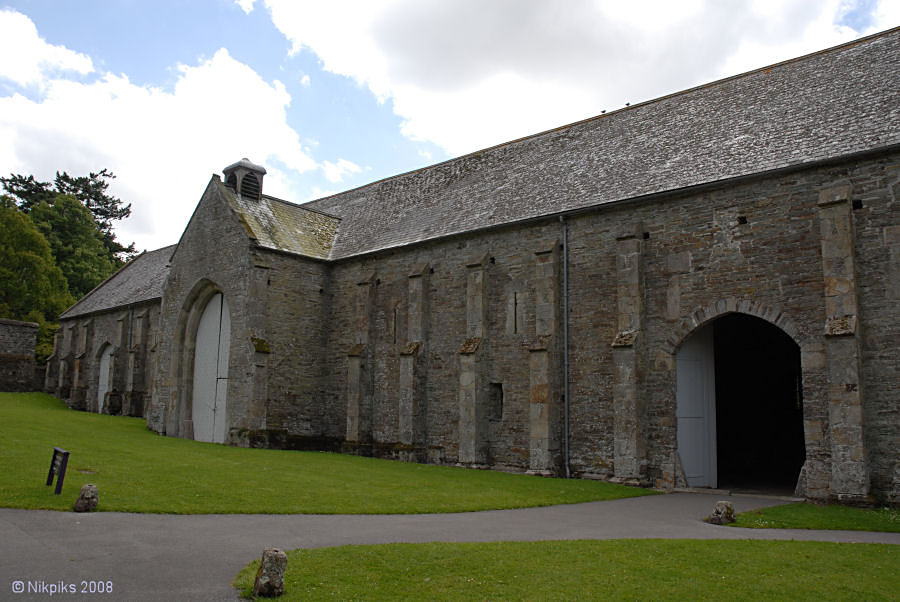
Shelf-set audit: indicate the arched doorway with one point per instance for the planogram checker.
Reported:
(103, 380)
(740, 406)
(210, 379)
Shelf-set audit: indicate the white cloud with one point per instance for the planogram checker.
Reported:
(246, 5)
(784, 32)
(305, 81)
(468, 74)
(335, 172)
(26, 58)
(163, 145)
(886, 15)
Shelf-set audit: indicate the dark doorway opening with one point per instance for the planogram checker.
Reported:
(759, 406)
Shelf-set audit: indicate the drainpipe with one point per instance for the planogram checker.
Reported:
(565, 325)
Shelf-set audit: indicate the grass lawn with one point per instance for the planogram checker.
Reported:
(814, 516)
(592, 570)
(136, 470)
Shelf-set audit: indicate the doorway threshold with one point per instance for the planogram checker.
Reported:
(740, 493)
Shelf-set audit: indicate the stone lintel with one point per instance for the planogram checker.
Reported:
(478, 260)
(540, 344)
(629, 231)
(834, 194)
(357, 350)
(545, 250)
(419, 269)
(367, 278)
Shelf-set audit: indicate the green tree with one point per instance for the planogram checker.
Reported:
(32, 287)
(76, 242)
(91, 191)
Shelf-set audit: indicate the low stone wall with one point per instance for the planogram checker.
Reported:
(17, 345)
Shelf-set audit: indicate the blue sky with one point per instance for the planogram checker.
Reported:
(333, 95)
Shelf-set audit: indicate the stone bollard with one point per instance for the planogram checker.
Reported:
(723, 514)
(270, 576)
(87, 500)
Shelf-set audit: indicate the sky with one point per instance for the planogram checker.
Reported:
(331, 95)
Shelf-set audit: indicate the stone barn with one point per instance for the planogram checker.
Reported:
(700, 290)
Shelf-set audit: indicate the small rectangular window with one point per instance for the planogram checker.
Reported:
(396, 324)
(495, 402)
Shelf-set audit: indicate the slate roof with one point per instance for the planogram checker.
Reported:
(283, 226)
(825, 105)
(139, 280)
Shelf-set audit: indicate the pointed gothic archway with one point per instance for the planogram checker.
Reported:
(739, 406)
(210, 373)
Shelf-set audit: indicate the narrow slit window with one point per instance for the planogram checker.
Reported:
(495, 402)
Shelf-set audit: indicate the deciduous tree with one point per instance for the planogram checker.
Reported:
(75, 241)
(32, 287)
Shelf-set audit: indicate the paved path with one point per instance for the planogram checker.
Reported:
(152, 557)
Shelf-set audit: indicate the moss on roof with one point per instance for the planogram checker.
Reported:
(278, 225)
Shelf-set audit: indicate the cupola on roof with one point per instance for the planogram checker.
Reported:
(245, 177)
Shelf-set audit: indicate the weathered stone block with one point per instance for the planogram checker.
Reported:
(723, 514)
(269, 582)
(87, 500)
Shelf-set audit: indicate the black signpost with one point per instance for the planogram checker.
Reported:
(58, 468)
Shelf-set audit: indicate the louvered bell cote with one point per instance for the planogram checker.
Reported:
(245, 178)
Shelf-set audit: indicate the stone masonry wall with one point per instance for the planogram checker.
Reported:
(450, 351)
(17, 345)
(73, 371)
(288, 361)
(214, 255)
(755, 248)
(875, 194)
(501, 370)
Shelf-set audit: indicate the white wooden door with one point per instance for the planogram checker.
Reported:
(211, 372)
(103, 382)
(696, 409)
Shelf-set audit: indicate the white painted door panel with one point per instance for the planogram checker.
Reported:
(696, 409)
(219, 417)
(103, 383)
(211, 372)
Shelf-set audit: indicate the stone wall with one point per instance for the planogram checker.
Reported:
(459, 321)
(73, 371)
(213, 256)
(642, 277)
(451, 351)
(277, 306)
(288, 358)
(17, 363)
